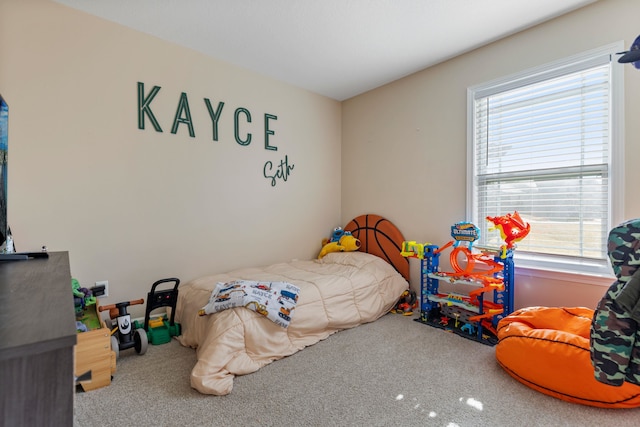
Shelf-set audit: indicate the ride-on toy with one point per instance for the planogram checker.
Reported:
(160, 330)
(124, 336)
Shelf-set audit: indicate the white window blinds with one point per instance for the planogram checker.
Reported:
(541, 146)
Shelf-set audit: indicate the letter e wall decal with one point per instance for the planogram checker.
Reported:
(268, 131)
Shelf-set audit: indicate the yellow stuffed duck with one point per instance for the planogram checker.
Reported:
(340, 241)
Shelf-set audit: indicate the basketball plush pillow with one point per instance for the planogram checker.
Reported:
(380, 237)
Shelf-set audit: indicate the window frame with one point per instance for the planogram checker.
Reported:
(559, 267)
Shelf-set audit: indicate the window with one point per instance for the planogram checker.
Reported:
(546, 143)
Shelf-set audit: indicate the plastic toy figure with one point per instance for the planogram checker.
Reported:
(469, 328)
(412, 249)
(512, 227)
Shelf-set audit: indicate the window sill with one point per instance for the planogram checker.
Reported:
(574, 273)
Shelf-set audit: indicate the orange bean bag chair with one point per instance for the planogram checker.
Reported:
(547, 349)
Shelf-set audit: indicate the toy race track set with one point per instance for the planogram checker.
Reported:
(474, 314)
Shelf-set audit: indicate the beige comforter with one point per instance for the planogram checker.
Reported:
(339, 291)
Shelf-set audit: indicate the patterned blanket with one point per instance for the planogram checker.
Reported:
(274, 300)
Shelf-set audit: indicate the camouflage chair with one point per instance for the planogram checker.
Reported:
(615, 339)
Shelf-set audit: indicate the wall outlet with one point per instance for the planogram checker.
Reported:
(104, 283)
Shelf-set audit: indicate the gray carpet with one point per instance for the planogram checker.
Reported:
(393, 372)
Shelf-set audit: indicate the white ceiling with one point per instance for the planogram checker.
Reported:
(337, 48)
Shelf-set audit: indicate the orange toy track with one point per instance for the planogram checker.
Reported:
(491, 283)
(487, 325)
(491, 287)
(471, 262)
(487, 314)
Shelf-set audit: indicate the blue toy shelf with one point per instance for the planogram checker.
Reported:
(469, 315)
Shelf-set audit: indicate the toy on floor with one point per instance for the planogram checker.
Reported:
(160, 330)
(475, 313)
(124, 336)
(340, 241)
(406, 304)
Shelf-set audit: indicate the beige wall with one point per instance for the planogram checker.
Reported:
(404, 145)
(132, 206)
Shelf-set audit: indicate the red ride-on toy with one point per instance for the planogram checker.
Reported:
(124, 336)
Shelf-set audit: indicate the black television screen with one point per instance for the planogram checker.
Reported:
(4, 148)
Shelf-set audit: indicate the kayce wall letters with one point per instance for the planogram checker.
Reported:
(272, 172)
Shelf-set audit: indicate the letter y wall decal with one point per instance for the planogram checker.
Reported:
(241, 118)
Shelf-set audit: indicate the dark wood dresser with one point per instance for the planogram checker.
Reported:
(37, 335)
